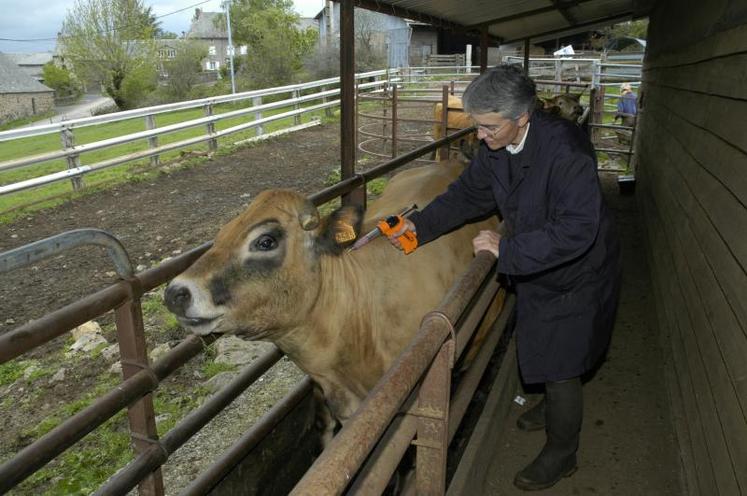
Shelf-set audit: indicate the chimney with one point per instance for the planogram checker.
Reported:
(197, 13)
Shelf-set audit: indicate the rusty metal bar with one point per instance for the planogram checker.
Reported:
(157, 454)
(53, 245)
(394, 121)
(331, 471)
(249, 441)
(36, 455)
(433, 422)
(346, 185)
(444, 150)
(133, 351)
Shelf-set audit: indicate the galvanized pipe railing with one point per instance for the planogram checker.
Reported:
(332, 471)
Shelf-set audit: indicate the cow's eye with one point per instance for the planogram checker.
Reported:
(265, 243)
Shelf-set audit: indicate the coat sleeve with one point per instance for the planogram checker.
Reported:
(572, 223)
(468, 197)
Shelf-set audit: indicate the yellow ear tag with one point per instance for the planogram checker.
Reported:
(344, 232)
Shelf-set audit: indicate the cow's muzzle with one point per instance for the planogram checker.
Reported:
(178, 298)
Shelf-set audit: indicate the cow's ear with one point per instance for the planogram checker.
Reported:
(340, 230)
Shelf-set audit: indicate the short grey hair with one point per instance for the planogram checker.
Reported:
(503, 89)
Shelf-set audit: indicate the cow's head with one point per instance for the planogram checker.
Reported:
(567, 106)
(262, 273)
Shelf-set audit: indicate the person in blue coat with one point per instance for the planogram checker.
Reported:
(558, 248)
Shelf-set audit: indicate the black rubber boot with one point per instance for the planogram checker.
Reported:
(564, 411)
(533, 419)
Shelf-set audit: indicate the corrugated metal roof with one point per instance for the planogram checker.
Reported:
(515, 20)
(14, 80)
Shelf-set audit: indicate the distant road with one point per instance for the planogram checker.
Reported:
(81, 108)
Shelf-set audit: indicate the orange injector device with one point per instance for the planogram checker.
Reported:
(408, 240)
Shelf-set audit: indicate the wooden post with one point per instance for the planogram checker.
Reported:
(73, 161)
(150, 123)
(483, 49)
(327, 110)
(347, 103)
(212, 143)
(296, 106)
(526, 56)
(256, 101)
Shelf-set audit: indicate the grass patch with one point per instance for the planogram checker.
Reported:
(11, 371)
(211, 369)
(58, 192)
(26, 120)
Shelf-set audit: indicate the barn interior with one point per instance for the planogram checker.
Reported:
(667, 413)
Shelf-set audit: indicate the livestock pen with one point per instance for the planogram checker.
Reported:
(667, 413)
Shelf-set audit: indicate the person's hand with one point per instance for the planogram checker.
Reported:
(407, 225)
(487, 241)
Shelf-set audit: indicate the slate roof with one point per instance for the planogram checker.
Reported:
(36, 58)
(14, 80)
(203, 26)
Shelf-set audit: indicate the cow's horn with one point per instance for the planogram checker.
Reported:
(308, 217)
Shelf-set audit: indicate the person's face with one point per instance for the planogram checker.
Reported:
(498, 131)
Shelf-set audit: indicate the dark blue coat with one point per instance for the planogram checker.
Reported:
(560, 249)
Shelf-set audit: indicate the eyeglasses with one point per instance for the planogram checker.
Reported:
(492, 129)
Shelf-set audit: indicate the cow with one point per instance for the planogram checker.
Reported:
(566, 105)
(456, 119)
(277, 272)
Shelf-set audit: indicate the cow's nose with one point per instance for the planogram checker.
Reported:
(177, 298)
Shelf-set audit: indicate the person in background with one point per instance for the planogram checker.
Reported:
(627, 107)
(559, 250)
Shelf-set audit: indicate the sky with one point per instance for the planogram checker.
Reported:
(42, 19)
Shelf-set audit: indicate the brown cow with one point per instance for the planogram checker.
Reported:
(278, 273)
(566, 105)
(456, 119)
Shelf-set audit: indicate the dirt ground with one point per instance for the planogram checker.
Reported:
(628, 445)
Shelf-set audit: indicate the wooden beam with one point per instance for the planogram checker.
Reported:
(604, 21)
(563, 8)
(557, 5)
(526, 56)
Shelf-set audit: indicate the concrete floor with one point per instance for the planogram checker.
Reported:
(627, 445)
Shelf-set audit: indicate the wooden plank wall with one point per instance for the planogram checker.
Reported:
(692, 177)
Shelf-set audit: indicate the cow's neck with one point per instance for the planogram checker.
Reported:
(341, 322)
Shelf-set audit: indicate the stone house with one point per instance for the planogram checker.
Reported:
(20, 94)
(207, 29)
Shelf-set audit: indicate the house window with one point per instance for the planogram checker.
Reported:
(213, 65)
(211, 50)
(167, 53)
(242, 50)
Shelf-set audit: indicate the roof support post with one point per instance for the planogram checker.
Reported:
(526, 56)
(347, 102)
(483, 49)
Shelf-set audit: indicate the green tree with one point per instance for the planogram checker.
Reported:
(111, 41)
(276, 46)
(183, 71)
(62, 81)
